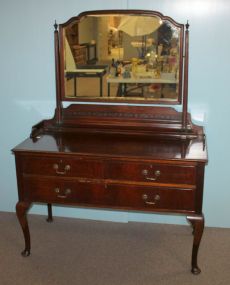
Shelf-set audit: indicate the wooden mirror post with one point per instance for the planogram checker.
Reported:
(57, 74)
(185, 93)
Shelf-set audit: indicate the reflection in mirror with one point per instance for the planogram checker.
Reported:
(122, 57)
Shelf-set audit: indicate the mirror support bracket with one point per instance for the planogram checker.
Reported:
(185, 90)
(57, 74)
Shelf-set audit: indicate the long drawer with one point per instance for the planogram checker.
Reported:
(63, 166)
(150, 172)
(152, 198)
(63, 190)
(99, 194)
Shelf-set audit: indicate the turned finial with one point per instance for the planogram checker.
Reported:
(187, 26)
(55, 25)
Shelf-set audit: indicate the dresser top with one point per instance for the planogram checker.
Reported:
(114, 145)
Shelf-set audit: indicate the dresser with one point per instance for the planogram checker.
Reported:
(121, 157)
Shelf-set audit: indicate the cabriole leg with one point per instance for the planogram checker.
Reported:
(21, 210)
(197, 222)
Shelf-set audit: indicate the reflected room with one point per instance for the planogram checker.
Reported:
(122, 57)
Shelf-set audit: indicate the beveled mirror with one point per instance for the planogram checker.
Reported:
(128, 56)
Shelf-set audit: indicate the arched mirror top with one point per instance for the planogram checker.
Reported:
(128, 56)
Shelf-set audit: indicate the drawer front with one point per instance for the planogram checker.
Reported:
(67, 167)
(149, 172)
(60, 190)
(151, 198)
(66, 191)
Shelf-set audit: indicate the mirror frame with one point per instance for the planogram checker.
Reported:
(60, 63)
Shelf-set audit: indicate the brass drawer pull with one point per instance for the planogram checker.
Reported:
(63, 196)
(156, 199)
(157, 173)
(56, 167)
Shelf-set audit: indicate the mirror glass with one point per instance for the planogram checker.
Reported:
(122, 57)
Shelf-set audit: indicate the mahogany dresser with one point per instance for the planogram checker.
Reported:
(129, 157)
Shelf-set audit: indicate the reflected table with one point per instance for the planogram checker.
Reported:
(141, 79)
(86, 71)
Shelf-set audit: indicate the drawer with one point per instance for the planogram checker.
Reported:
(150, 172)
(64, 191)
(151, 198)
(69, 167)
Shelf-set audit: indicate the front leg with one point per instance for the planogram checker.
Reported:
(21, 210)
(50, 215)
(197, 222)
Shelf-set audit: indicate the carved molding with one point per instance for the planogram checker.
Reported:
(106, 114)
